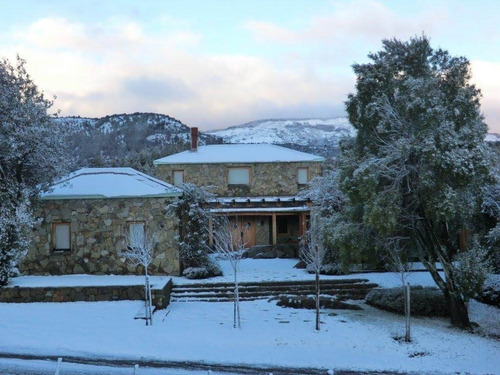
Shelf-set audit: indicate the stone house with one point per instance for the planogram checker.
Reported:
(87, 216)
(257, 187)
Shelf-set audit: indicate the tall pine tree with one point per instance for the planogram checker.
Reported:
(413, 175)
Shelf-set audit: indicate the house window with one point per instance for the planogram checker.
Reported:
(303, 175)
(238, 176)
(282, 225)
(178, 177)
(136, 234)
(62, 236)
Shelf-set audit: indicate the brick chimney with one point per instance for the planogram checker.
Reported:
(194, 139)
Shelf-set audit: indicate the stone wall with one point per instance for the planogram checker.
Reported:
(98, 229)
(266, 179)
(160, 296)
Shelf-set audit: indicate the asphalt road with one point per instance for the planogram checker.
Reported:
(23, 366)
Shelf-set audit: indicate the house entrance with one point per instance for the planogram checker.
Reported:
(243, 229)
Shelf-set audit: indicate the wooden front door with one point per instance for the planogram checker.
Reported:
(243, 231)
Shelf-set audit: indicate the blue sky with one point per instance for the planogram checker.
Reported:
(218, 63)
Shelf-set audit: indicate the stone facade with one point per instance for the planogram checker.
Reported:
(266, 179)
(98, 228)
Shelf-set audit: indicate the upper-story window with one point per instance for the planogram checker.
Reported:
(238, 176)
(178, 177)
(303, 175)
(62, 236)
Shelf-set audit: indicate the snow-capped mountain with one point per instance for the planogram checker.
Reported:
(320, 136)
(288, 131)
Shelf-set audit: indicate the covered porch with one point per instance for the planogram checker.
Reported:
(260, 221)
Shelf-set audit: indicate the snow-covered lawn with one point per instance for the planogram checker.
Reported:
(271, 335)
(197, 331)
(254, 270)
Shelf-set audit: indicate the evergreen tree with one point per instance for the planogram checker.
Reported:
(32, 155)
(414, 173)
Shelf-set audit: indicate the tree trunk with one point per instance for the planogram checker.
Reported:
(458, 310)
(407, 311)
(237, 287)
(317, 301)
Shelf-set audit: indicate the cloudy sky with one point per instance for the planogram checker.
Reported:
(215, 63)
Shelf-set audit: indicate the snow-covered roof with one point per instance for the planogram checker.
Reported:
(110, 183)
(260, 199)
(260, 210)
(239, 153)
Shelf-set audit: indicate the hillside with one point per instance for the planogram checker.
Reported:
(132, 140)
(135, 140)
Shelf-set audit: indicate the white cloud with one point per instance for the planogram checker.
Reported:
(267, 31)
(486, 76)
(120, 66)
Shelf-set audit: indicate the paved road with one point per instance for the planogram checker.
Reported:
(24, 366)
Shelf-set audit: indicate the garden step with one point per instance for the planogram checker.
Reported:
(276, 288)
(217, 292)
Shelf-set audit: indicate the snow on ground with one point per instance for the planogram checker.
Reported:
(271, 335)
(254, 270)
(200, 331)
(251, 270)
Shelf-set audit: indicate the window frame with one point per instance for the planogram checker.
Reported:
(307, 175)
(249, 169)
(280, 219)
(130, 223)
(54, 237)
(173, 176)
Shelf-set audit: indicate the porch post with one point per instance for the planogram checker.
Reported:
(275, 230)
(210, 232)
(302, 224)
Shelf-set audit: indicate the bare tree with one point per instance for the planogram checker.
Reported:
(229, 243)
(397, 260)
(312, 252)
(139, 249)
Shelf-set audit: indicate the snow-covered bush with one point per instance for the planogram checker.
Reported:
(309, 302)
(472, 268)
(491, 291)
(210, 270)
(327, 269)
(424, 301)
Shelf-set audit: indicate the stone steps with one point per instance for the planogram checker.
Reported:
(219, 292)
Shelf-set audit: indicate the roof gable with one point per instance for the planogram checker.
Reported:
(239, 153)
(95, 183)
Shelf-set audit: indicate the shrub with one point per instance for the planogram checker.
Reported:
(327, 269)
(212, 269)
(302, 302)
(491, 291)
(424, 301)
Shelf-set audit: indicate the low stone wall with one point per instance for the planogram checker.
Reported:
(161, 296)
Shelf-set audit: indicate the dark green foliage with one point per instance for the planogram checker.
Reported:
(193, 237)
(424, 301)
